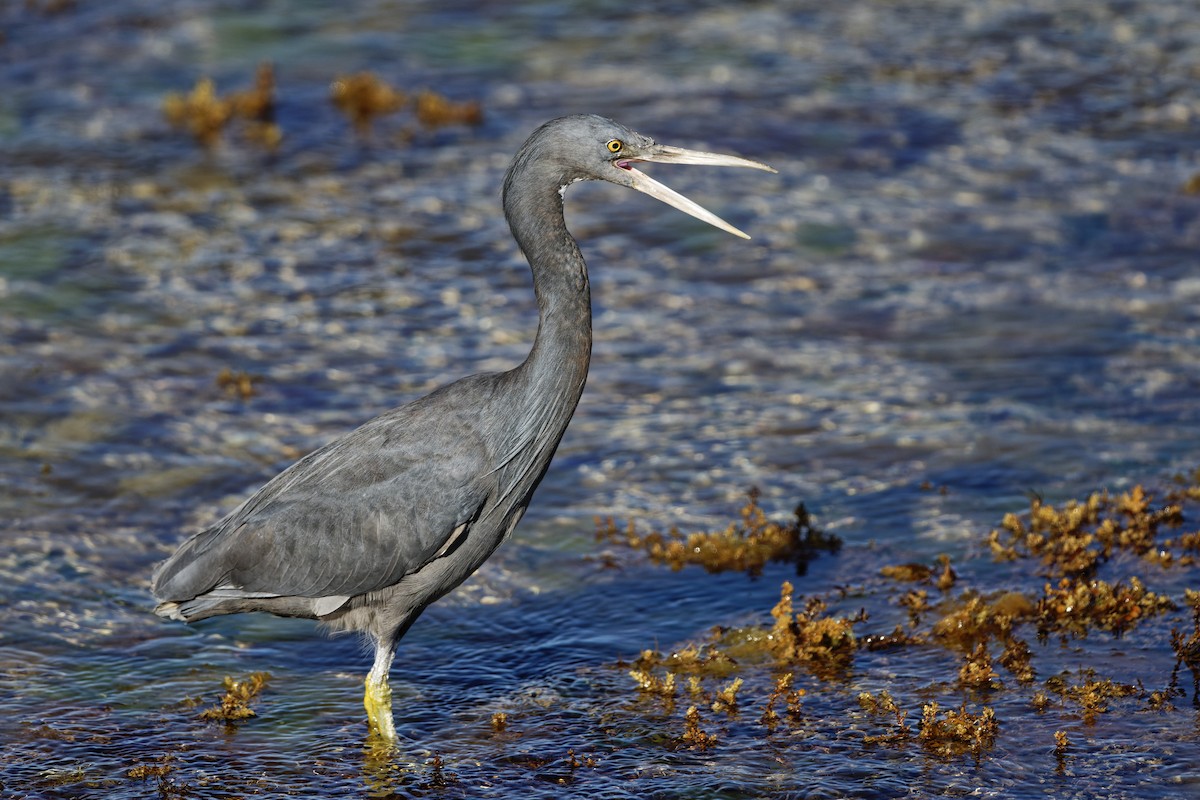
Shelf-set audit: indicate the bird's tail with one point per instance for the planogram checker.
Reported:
(170, 610)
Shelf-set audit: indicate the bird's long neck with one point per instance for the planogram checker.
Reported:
(557, 366)
(553, 375)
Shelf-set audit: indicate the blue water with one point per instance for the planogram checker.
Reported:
(977, 269)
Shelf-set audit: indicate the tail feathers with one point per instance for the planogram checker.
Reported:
(222, 600)
(170, 610)
(229, 601)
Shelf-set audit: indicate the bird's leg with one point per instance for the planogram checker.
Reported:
(378, 695)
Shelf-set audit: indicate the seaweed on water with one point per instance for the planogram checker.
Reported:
(703, 659)
(257, 107)
(364, 96)
(1061, 744)
(917, 603)
(809, 636)
(651, 683)
(726, 698)
(977, 671)
(943, 733)
(589, 761)
(986, 629)
(974, 619)
(1017, 658)
(791, 698)
(434, 110)
(205, 114)
(913, 572)
(656, 674)
(1076, 606)
(202, 112)
(694, 736)
(160, 773)
(234, 706)
(1075, 540)
(746, 545)
(882, 704)
(1187, 649)
(953, 732)
(908, 573)
(1091, 694)
(238, 384)
(437, 775)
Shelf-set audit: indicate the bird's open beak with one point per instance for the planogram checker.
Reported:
(676, 155)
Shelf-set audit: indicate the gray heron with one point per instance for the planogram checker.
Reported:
(365, 532)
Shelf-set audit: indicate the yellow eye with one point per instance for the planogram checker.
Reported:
(615, 145)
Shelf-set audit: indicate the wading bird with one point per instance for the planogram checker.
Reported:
(367, 531)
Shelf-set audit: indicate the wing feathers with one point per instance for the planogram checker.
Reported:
(350, 518)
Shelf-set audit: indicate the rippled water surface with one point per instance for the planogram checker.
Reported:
(977, 270)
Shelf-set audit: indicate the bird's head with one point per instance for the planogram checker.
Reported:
(589, 147)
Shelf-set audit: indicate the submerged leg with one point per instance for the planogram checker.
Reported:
(378, 696)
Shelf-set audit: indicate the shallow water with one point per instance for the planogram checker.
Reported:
(976, 270)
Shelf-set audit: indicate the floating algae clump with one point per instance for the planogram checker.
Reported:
(235, 704)
(160, 773)
(726, 699)
(1076, 606)
(1091, 694)
(745, 545)
(434, 110)
(650, 683)
(202, 112)
(704, 659)
(976, 619)
(953, 733)
(205, 114)
(923, 573)
(786, 692)
(809, 637)
(655, 673)
(908, 573)
(237, 384)
(1187, 649)
(945, 734)
(693, 735)
(1076, 539)
(977, 671)
(884, 705)
(363, 96)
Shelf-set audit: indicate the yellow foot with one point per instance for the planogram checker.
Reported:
(378, 702)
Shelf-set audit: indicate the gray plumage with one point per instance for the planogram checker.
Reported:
(368, 530)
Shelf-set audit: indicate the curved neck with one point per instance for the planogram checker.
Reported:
(540, 395)
(556, 368)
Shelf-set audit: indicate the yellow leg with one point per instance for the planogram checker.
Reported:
(378, 702)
